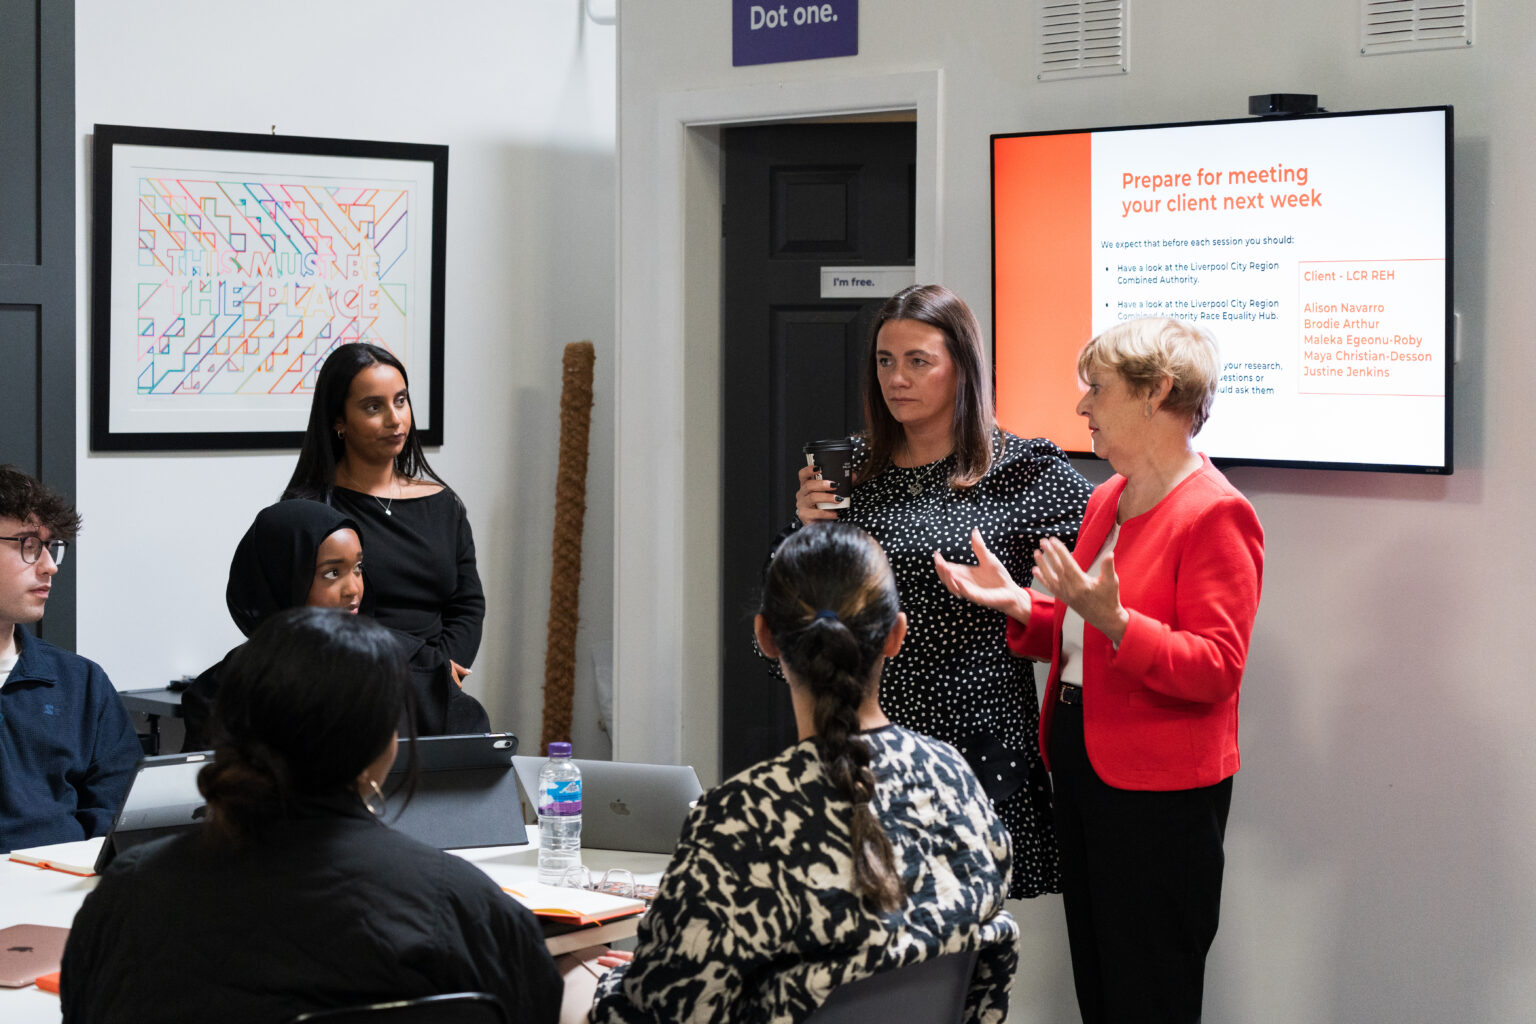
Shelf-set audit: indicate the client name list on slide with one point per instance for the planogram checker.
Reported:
(1366, 327)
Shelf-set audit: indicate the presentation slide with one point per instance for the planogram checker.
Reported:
(1313, 249)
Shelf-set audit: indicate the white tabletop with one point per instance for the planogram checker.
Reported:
(31, 895)
(509, 865)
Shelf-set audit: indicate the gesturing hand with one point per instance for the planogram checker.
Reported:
(1096, 599)
(986, 583)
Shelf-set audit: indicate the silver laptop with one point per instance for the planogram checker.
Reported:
(625, 806)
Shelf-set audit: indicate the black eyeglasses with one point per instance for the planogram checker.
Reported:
(32, 548)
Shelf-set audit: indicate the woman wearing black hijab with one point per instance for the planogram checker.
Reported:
(306, 553)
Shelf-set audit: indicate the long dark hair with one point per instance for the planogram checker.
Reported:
(315, 473)
(304, 706)
(829, 600)
(974, 420)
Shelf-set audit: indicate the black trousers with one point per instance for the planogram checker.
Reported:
(1141, 884)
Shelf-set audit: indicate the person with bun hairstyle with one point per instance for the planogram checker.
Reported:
(362, 455)
(861, 849)
(295, 896)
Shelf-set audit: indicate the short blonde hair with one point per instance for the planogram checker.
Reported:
(1145, 350)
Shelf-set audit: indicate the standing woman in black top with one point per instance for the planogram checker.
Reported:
(362, 455)
(931, 466)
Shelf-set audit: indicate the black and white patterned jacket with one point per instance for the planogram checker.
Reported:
(755, 920)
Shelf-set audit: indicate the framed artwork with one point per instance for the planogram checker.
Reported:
(225, 267)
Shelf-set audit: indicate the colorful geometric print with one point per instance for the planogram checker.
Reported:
(243, 287)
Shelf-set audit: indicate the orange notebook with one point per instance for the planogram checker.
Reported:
(77, 858)
(573, 906)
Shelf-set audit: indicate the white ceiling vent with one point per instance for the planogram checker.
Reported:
(1080, 38)
(1398, 26)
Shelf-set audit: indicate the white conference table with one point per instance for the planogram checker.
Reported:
(32, 895)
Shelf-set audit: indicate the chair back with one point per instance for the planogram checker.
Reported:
(931, 992)
(453, 1008)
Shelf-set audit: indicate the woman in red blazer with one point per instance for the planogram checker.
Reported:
(1147, 635)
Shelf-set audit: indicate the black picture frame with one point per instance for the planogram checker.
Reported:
(308, 243)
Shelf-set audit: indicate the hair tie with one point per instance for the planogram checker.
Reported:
(827, 613)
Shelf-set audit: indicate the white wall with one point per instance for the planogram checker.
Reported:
(1383, 832)
(522, 92)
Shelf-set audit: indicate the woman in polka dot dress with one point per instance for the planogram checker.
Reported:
(933, 465)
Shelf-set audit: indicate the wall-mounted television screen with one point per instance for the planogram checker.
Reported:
(1315, 248)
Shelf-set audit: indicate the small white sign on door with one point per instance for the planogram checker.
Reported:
(865, 282)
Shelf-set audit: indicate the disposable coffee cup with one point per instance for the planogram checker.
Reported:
(833, 459)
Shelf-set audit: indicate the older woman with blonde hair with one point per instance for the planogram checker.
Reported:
(1147, 634)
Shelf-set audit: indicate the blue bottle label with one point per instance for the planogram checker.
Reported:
(562, 797)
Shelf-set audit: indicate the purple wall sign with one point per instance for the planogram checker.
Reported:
(768, 31)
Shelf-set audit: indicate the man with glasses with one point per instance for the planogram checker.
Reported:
(67, 747)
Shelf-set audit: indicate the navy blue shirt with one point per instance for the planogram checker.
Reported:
(67, 748)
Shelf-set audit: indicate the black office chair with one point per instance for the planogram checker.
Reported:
(452, 1008)
(931, 992)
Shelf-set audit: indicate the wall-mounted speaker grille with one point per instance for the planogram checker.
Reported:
(1080, 38)
(1399, 26)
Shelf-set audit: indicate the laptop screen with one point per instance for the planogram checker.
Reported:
(162, 800)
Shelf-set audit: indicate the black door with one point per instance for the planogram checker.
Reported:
(37, 261)
(797, 198)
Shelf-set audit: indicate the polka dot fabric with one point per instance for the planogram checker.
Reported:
(955, 678)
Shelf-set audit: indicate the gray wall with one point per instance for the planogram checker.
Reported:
(1383, 834)
(523, 95)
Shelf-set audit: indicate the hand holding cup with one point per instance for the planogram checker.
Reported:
(813, 493)
(826, 482)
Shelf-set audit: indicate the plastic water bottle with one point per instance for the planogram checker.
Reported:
(559, 808)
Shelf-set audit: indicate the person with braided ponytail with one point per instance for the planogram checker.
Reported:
(294, 896)
(861, 849)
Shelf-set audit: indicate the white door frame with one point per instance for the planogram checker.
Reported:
(666, 476)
